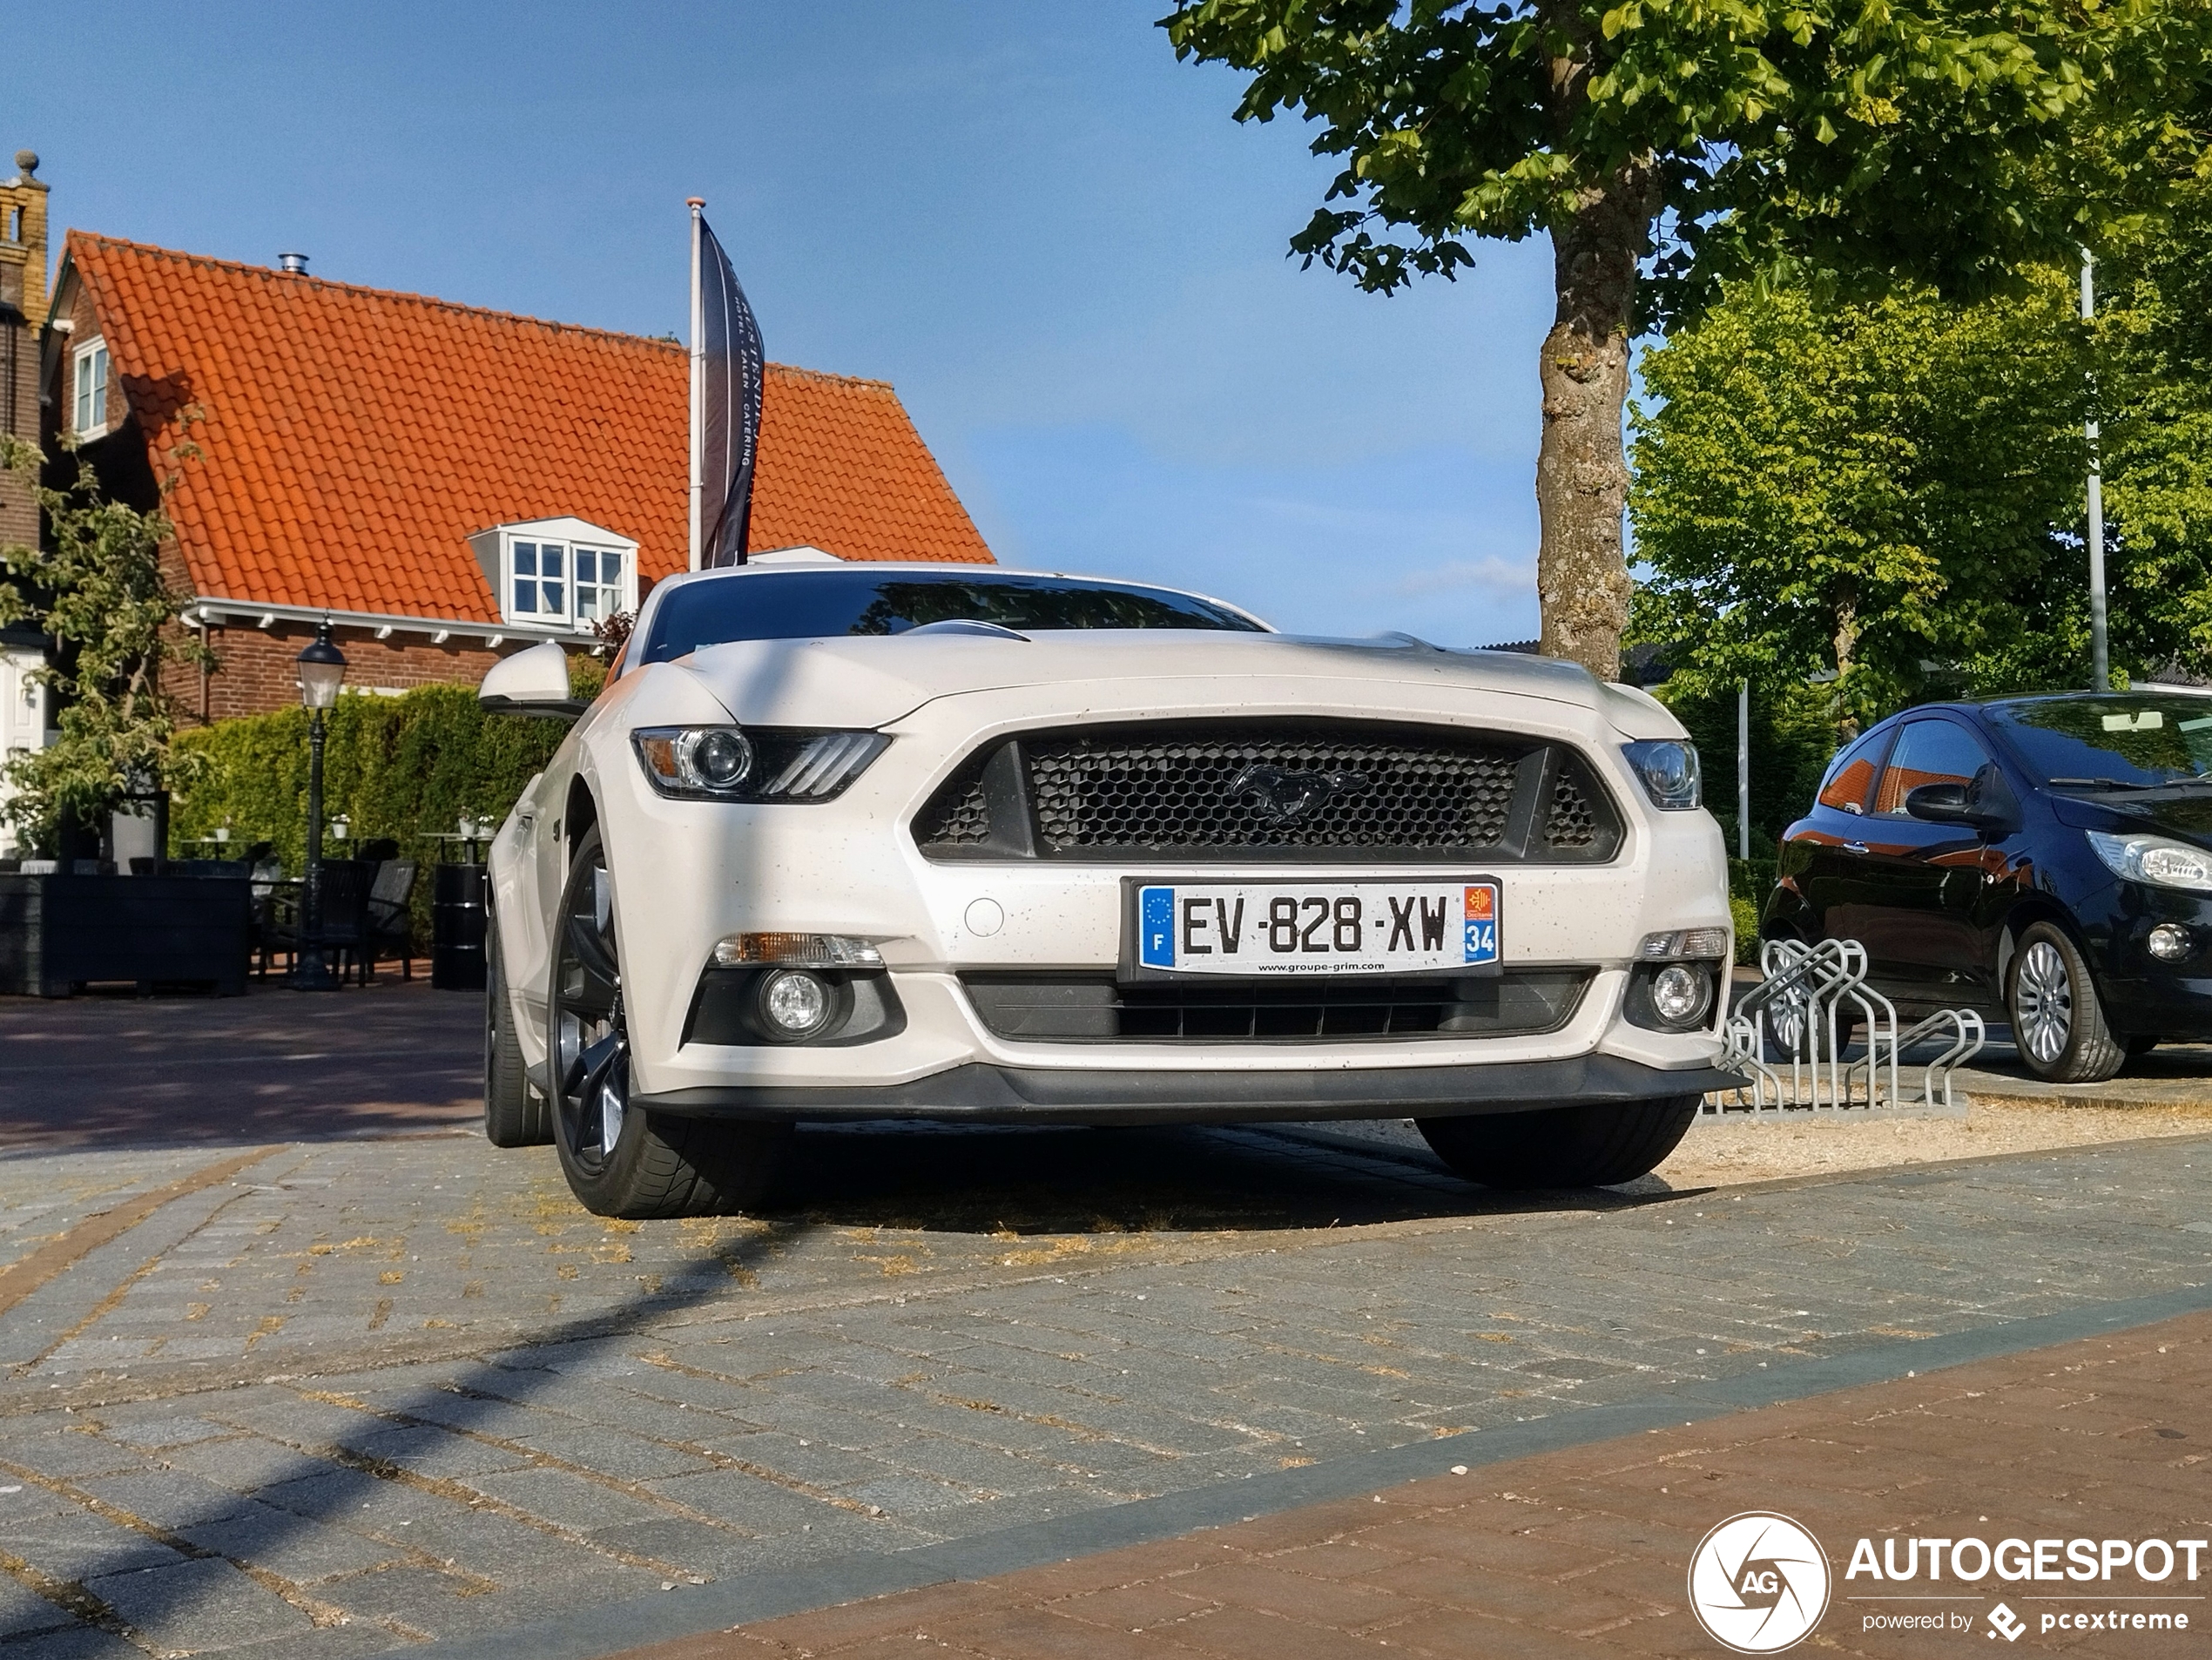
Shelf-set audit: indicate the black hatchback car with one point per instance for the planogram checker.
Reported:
(2047, 861)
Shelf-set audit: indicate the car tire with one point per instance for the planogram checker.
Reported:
(514, 1114)
(620, 1161)
(1599, 1145)
(2059, 1025)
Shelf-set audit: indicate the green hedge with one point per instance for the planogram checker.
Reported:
(401, 766)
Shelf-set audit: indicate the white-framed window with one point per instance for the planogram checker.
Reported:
(564, 573)
(88, 378)
(564, 582)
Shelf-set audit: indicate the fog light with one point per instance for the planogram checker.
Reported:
(1680, 995)
(2169, 943)
(796, 1004)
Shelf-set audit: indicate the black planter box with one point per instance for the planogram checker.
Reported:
(57, 933)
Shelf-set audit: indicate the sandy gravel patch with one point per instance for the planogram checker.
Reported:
(1716, 1154)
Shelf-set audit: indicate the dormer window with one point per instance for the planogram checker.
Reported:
(559, 573)
(88, 377)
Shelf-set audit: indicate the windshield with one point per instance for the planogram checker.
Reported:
(2122, 738)
(815, 604)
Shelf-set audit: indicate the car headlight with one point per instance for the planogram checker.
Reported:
(1669, 769)
(765, 764)
(2154, 861)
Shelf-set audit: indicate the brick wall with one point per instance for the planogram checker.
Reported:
(23, 310)
(255, 672)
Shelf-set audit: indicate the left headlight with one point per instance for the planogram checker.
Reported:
(2155, 861)
(765, 764)
(1669, 769)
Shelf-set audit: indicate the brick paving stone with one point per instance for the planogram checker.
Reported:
(23, 1610)
(194, 1605)
(1588, 1546)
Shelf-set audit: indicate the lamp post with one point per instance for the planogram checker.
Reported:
(323, 669)
(2099, 648)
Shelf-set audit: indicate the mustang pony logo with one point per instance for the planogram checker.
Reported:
(1284, 797)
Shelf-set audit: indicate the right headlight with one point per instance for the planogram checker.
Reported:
(763, 763)
(1668, 767)
(2155, 861)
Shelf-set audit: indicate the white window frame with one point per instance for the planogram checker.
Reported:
(88, 392)
(565, 616)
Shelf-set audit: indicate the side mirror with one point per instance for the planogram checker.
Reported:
(535, 682)
(1962, 804)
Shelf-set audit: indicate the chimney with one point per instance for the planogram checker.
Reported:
(293, 265)
(22, 242)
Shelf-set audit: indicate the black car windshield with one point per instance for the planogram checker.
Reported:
(2144, 739)
(818, 604)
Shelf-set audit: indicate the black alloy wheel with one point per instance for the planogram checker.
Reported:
(620, 1160)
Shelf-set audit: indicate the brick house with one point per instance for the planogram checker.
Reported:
(23, 313)
(443, 482)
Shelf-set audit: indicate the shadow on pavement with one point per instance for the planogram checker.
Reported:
(109, 1072)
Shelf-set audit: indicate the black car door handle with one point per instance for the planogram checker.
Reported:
(1854, 846)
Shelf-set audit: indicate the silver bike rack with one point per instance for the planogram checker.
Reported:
(1783, 1038)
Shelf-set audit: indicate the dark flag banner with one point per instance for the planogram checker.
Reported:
(729, 343)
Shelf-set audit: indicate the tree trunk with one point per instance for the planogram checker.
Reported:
(1581, 469)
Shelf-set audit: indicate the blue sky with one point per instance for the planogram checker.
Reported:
(1035, 222)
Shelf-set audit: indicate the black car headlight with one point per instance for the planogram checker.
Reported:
(1668, 769)
(2154, 861)
(761, 763)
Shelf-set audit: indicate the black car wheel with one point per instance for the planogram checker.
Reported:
(620, 1160)
(2058, 1022)
(1595, 1145)
(514, 1115)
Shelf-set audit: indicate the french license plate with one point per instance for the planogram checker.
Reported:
(1317, 928)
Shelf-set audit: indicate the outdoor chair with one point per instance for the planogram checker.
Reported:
(390, 923)
(345, 909)
(266, 873)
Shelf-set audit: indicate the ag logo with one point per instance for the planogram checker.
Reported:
(1758, 1582)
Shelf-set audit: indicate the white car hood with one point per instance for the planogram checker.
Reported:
(873, 680)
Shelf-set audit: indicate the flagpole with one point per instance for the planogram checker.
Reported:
(698, 383)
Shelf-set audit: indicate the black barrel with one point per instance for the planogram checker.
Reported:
(457, 929)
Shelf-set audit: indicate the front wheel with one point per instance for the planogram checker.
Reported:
(622, 1161)
(1598, 1144)
(2058, 1022)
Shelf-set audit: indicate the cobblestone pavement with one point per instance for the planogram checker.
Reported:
(1585, 1551)
(321, 1399)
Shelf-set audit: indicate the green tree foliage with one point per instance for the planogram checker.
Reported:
(2155, 380)
(1853, 145)
(97, 588)
(1871, 489)
(1894, 491)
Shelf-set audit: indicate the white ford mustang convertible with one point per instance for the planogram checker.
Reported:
(877, 842)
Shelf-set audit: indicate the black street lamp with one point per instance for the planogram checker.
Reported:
(323, 669)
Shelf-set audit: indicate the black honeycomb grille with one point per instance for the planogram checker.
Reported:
(1282, 789)
(1570, 823)
(1224, 788)
(959, 815)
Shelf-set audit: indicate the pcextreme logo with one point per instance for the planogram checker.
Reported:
(1758, 1582)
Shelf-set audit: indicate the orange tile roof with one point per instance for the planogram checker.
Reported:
(354, 437)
